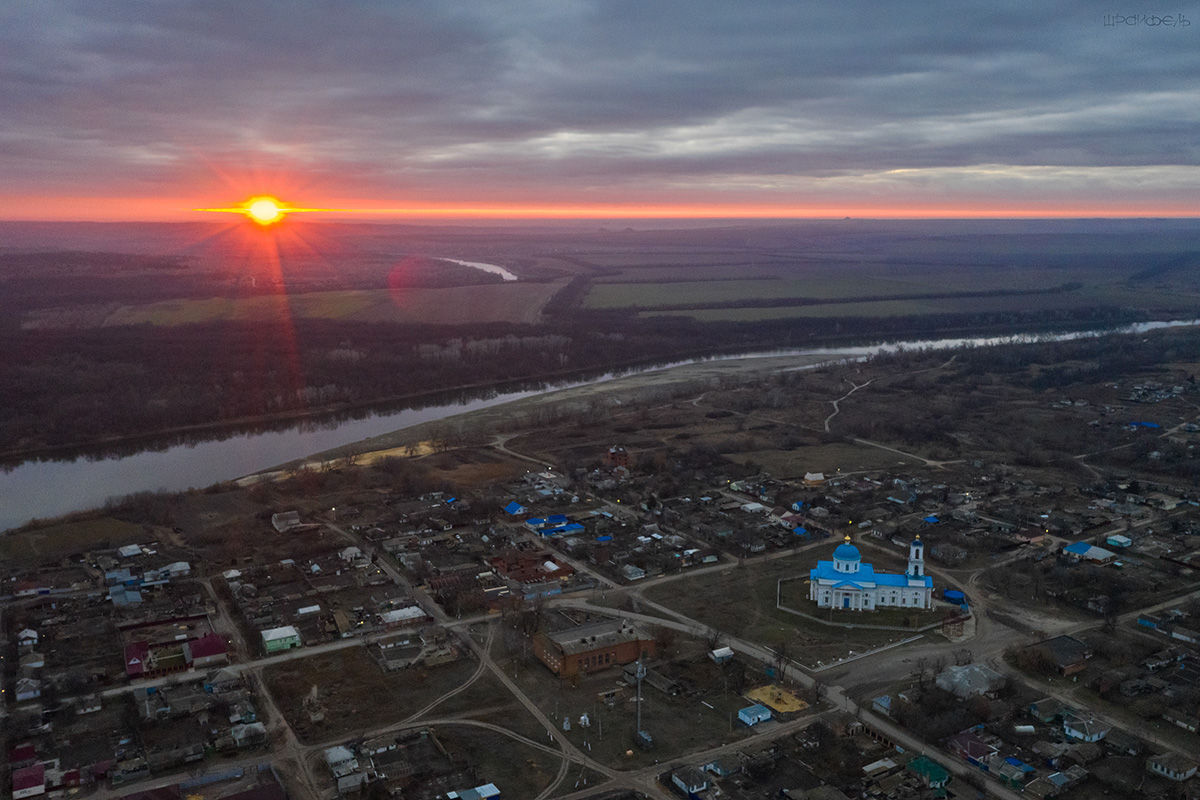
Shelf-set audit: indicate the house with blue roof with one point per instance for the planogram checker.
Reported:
(1082, 551)
(848, 583)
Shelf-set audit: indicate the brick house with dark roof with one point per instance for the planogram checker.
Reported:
(591, 648)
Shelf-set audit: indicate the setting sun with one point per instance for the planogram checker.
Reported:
(264, 211)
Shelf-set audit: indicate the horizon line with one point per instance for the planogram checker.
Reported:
(498, 215)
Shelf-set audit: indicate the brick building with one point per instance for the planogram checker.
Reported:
(593, 647)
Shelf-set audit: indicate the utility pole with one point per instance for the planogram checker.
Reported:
(640, 673)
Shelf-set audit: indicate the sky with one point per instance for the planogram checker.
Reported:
(149, 110)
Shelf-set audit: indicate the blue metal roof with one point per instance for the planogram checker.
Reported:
(866, 575)
(1077, 548)
(756, 710)
(847, 552)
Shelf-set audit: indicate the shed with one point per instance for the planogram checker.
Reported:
(483, 792)
(722, 655)
(285, 521)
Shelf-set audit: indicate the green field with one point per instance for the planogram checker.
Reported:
(1150, 300)
(910, 276)
(493, 302)
(69, 538)
(873, 281)
(742, 601)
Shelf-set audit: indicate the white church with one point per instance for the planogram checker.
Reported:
(848, 583)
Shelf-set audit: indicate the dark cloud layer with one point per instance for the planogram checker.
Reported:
(569, 100)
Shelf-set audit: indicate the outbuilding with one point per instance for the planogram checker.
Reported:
(722, 655)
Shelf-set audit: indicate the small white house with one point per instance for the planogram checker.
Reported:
(690, 780)
(341, 760)
(752, 715)
(1085, 729)
(1173, 766)
(631, 572)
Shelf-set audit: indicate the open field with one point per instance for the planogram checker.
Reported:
(69, 538)
(516, 769)
(742, 601)
(1152, 300)
(828, 458)
(356, 693)
(501, 302)
(678, 724)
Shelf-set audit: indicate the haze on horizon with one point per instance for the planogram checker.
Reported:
(146, 111)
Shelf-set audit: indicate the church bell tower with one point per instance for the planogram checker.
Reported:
(916, 558)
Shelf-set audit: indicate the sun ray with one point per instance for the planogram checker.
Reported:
(266, 210)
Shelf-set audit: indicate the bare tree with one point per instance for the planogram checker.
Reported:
(782, 660)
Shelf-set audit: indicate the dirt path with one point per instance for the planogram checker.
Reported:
(836, 407)
(622, 390)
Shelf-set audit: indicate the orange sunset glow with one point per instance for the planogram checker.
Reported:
(264, 210)
(406, 113)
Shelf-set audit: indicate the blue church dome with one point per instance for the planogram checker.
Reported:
(847, 552)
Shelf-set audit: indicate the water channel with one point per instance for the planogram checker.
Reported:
(46, 489)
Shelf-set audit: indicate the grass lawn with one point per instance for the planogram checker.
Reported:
(741, 601)
(794, 594)
(59, 541)
(503, 302)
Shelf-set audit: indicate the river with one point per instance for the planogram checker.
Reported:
(46, 489)
(492, 268)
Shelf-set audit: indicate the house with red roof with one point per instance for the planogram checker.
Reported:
(29, 781)
(206, 651)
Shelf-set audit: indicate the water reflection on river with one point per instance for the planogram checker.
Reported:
(49, 488)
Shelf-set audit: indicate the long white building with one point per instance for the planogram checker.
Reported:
(847, 583)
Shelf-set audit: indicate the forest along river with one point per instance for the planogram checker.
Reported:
(45, 489)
